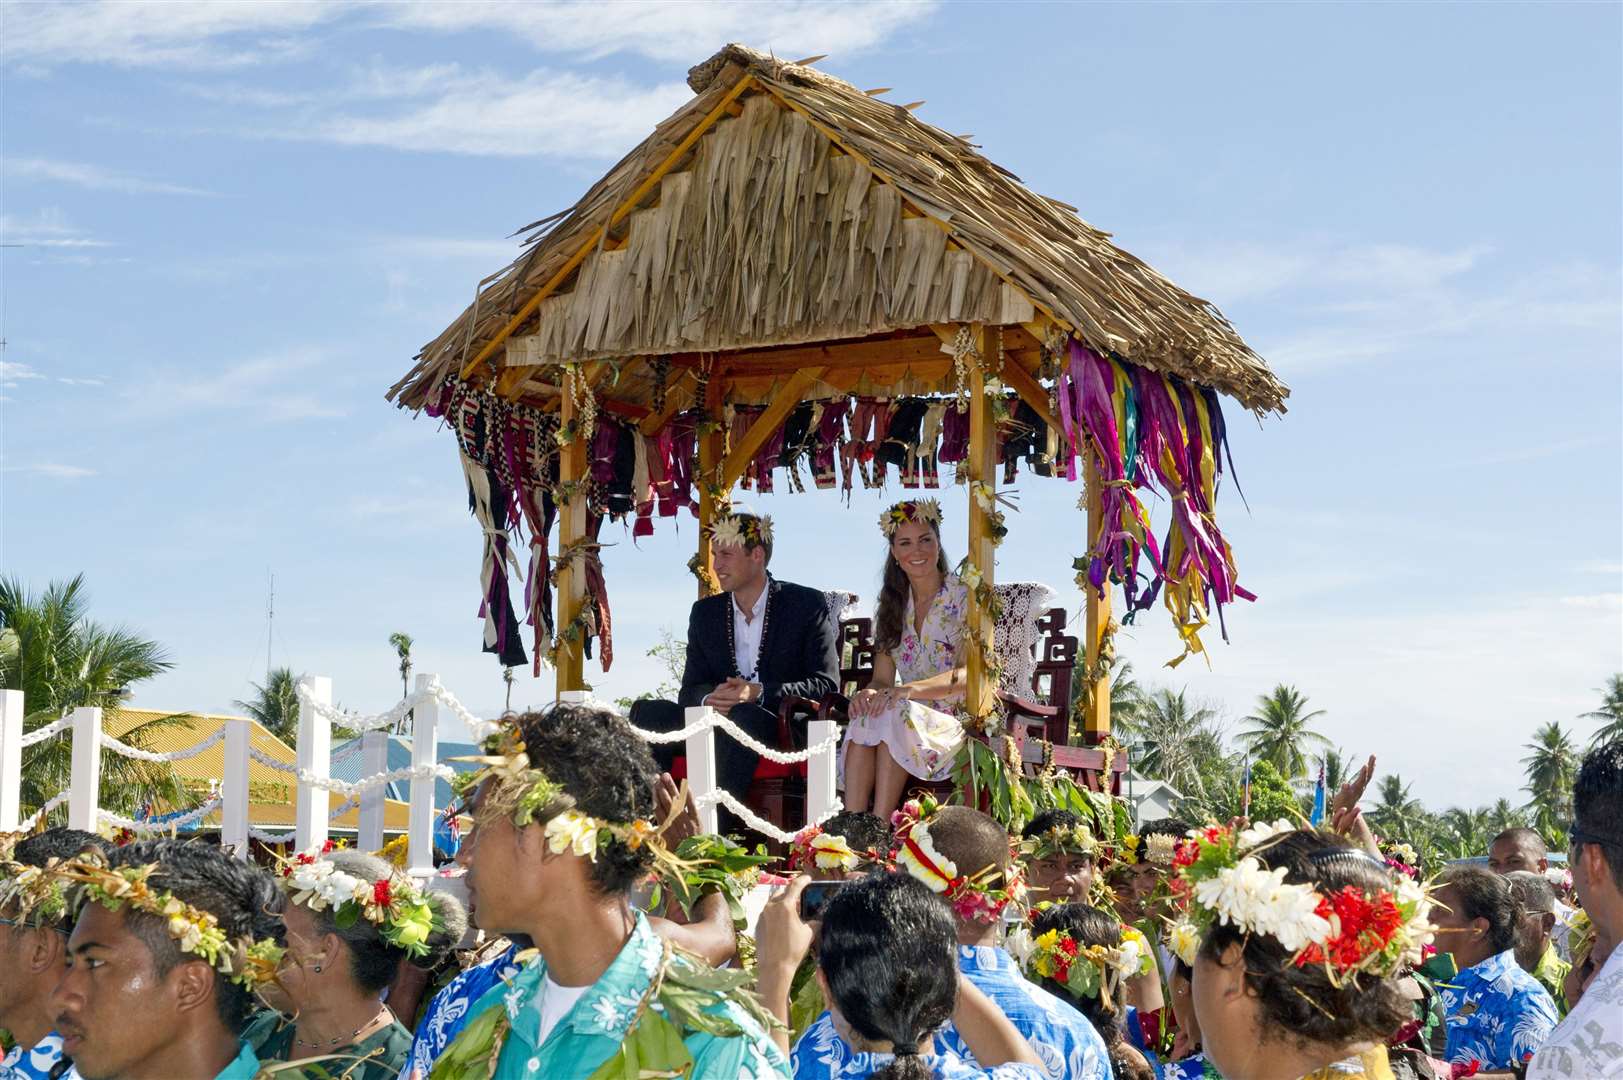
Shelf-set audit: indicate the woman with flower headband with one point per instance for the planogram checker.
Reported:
(1086, 956)
(1296, 942)
(919, 628)
(351, 920)
(172, 943)
(962, 855)
(562, 832)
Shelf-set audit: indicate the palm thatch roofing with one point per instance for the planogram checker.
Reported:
(789, 220)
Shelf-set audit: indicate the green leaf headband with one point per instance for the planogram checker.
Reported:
(401, 912)
(1060, 840)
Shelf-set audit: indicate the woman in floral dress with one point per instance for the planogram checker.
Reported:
(900, 724)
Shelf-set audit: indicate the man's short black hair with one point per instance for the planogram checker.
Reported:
(606, 767)
(1177, 828)
(974, 841)
(57, 845)
(242, 897)
(864, 832)
(1483, 894)
(1050, 819)
(1597, 802)
(1523, 837)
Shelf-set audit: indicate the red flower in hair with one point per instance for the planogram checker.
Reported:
(380, 893)
(327, 846)
(1067, 945)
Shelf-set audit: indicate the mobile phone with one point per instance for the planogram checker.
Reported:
(814, 896)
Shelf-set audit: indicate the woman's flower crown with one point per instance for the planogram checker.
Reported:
(1060, 840)
(246, 961)
(1347, 932)
(399, 910)
(1094, 971)
(741, 530)
(1401, 858)
(814, 848)
(910, 510)
(33, 889)
(974, 897)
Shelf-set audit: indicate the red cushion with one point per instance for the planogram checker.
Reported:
(766, 770)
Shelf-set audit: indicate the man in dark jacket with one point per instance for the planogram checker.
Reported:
(748, 648)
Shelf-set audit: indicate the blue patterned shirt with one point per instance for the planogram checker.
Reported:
(1066, 1044)
(1498, 1014)
(942, 1067)
(448, 1013)
(36, 1062)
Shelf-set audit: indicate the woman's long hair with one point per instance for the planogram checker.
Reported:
(887, 949)
(1090, 926)
(893, 592)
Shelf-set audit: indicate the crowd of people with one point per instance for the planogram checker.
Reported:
(588, 928)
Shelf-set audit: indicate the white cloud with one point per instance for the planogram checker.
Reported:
(275, 387)
(92, 177)
(211, 36)
(544, 113)
(13, 372)
(55, 470)
(46, 229)
(81, 380)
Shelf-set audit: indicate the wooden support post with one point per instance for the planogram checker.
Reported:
(702, 775)
(374, 760)
(571, 579)
(777, 411)
(712, 444)
(1096, 699)
(84, 806)
(234, 791)
(982, 466)
(425, 751)
(312, 804)
(11, 759)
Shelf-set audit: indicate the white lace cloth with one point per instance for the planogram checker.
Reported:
(841, 604)
(1016, 637)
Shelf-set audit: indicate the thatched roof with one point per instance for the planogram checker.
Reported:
(783, 207)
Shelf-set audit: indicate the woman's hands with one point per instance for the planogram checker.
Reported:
(874, 700)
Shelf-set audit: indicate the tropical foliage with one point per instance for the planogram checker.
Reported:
(60, 659)
(1280, 732)
(1610, 713)
(276, 704)
(1551, 768)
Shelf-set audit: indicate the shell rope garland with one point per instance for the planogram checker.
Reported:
(974, 897)
(246, 961)
(899, 514)
(1348, 932)
(400, 911)
(1094, 971)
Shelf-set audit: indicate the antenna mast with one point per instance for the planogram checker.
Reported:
(270, 619)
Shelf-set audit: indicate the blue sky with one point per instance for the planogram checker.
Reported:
(237, 223)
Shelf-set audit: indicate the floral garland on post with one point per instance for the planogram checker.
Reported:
(248, 962)
(1094, 971)
(399, 910)
(978, 897)
(1348, 933)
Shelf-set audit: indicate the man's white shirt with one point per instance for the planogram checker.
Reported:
(1588, 1044)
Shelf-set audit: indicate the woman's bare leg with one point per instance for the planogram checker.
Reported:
(891, 783)
(859, 775)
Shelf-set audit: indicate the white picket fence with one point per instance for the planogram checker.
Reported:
(313, 771)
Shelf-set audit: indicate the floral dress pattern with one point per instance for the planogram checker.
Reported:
(923, 740)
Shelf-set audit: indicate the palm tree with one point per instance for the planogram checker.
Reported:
(1466, 833)
(1336, 768)
(401, 642)
(1279, 731)
(1502, 815)
(1551, 768)
(1610, 713)
(276, 705)
(1126, 695)
(1176, 738)
(1397, 814)
(61, 660)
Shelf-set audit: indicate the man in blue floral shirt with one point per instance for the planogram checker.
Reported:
(1065, 1042)
(1497, 1014)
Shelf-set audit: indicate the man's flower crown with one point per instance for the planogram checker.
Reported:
(1156, 849)
(1060, 840)
(978, 897)
(812, 847)
(1094, 971)
(910, 510)
(525, 795)
(1347, 932)
(33, 889)
(399, 910)
(741, 530)
(246, 961)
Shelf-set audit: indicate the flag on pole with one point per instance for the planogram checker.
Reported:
(1245, 790)
(1318, 798)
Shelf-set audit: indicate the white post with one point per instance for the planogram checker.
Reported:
(702, 765)
(11, 759)
(86, 775)
(310, 804)
(425, 745)
(234, 787)
(374, 760)
(820, 770)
